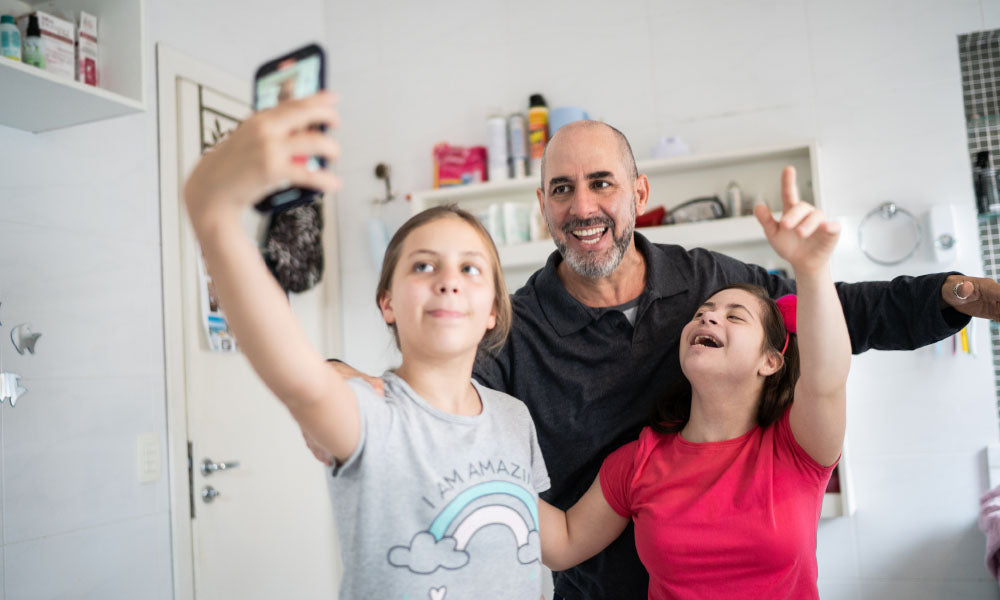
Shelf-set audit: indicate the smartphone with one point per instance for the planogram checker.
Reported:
(297, 74)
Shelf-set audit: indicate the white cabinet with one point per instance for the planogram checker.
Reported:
(34, 100)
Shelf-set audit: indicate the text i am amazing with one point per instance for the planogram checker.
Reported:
(480, 469)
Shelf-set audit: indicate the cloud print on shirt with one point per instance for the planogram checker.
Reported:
(426, 555)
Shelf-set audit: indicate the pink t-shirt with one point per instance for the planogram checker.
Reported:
(732, 519)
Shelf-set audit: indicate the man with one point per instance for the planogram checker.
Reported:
(595, 331)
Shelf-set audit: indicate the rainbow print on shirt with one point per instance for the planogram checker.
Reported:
(443, 544)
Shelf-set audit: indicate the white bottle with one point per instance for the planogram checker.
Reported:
(734, 200)
(10, 38)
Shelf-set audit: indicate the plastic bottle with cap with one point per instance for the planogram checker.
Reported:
(10, 38)
(34, 49)
(538, 131)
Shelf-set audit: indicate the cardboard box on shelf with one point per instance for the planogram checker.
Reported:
(58, 37)
(86, 50)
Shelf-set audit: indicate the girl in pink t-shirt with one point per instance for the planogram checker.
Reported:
(725, 488)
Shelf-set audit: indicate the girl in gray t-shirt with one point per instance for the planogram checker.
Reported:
(436, 484)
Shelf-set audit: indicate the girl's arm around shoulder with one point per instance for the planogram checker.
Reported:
(571, 537)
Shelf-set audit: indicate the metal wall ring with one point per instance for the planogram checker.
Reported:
(888, 211)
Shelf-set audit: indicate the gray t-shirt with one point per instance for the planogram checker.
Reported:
(436, 506)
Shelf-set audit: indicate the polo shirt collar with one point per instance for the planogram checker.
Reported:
(568, 315)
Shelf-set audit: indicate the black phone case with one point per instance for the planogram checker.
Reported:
(293, 196)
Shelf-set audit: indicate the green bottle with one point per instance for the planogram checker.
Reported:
(34, 52)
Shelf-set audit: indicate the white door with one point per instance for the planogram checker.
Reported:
(262, 529)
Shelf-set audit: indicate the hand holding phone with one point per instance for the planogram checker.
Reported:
(295, 75)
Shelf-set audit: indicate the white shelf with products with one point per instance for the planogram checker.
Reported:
(673, 181)
(36, 100)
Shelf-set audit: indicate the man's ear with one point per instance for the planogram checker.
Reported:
(641, 194)
(385, 305)
(540, 193)
(773, 361)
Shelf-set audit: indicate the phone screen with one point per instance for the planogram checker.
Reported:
(297, 75)
(292, 79)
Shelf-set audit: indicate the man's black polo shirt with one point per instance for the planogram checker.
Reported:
(589, 377)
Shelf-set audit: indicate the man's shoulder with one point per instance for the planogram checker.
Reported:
(692, 261)
(674, 252)
(525, 300)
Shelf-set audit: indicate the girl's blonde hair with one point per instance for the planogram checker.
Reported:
(495, 337)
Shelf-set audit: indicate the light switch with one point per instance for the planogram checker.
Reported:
(148, 452)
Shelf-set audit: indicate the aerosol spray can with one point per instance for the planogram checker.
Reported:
(538, 131)
(496, 129)
(516, 130)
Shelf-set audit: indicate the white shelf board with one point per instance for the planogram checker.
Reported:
(474, 191)
(36, 100)
(479, 191)
(690, 162)
(714, 234)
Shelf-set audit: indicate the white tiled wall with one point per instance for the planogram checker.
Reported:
(80, 261)
(876, 83)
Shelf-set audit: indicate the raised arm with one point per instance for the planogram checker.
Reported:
(904, 313)
(806, 239)
(571, 537)
(264, 154)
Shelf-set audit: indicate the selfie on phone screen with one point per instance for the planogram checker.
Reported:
(296, 75)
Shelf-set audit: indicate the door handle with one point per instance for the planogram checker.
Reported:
(208, 467)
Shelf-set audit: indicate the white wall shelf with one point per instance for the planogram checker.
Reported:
(672, 181)
(36, 100)
(756, 163)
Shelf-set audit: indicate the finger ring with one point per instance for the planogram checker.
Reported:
(955, 291)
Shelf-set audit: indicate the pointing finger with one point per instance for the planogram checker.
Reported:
(789, 189)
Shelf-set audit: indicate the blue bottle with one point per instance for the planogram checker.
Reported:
(10, 38)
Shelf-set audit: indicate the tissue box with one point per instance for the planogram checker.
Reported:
(86, 50)
(458, 165)
(58, 37)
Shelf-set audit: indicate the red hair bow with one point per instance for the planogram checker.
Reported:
(786, 305)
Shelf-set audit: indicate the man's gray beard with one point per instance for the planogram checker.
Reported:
(598, 266)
